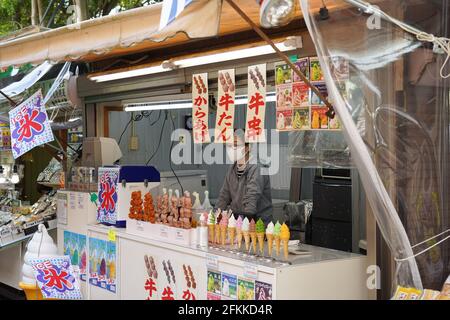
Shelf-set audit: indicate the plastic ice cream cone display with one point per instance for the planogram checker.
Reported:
(239, 233)
(269, 236)
(211, 226)
(231, 229)
(276, 236)
(285, 236)
(41, 245)
(260, 235)
(245, 232)
(217, 230)
(223, 228)
(253, 234)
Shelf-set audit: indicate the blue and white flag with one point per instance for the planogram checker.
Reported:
(170, 10)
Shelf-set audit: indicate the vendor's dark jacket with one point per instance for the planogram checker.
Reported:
(248, 195)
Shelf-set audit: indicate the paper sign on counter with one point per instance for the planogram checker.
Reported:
(112, 235)
(212, 261)
(250, 270)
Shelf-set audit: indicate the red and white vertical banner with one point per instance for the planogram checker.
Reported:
(256, 106)
(200, 107)
(225, 107)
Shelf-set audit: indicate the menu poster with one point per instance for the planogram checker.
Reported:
(111, 266)
(102, 264)
(303, 65)
(246, 289)
(75, 248)
(283, 74)
(319, 119)
(200, 108)
(229, 286)
(225, 107)
(256, 107)
(263, 291)
(301, 119)
(315, 70)
(300, 94)
(322, 87)
(213, 283)
(284, 120)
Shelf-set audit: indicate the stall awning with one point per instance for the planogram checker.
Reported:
(129, 32)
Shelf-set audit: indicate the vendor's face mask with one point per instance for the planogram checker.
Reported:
(235, 153)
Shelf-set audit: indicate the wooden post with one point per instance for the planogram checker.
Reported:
(34, 14)
(81, 10)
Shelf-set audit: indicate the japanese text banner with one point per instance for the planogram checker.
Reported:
(225, 107)
(256, 107)
(29, 125)
(200, 108)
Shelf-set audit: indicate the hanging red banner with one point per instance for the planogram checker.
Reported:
(225, 107)
(256, 106)
(200, 108)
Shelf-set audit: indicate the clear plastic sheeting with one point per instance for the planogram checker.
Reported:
(394, 108)
(313, 149)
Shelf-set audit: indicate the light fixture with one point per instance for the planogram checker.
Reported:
(276, 13)
(192, 62)
(2, 175)
(74, 119)
(166, 105)
(240, 100)
(15, 175)
(182, 104)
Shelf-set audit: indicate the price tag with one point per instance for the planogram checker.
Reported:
(250, 270)
(112, 235)
(212, 261)
(139, 226)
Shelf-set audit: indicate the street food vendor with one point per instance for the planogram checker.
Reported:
(245, 190)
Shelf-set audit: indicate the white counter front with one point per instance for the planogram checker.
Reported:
(220, 273)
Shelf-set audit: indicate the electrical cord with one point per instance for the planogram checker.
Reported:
(136, 118)
(160, 138)
(170, 154)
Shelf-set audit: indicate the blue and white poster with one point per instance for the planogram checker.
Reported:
(108, 179)
(29, 125)
(55, 278)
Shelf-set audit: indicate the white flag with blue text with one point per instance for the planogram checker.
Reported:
(170, 10)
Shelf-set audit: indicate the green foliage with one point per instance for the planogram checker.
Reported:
(16, 14)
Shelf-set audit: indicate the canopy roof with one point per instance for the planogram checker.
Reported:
(125, 33)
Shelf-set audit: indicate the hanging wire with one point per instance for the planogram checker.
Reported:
(442, 42)
(426, 249)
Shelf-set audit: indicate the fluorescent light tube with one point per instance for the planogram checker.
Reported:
(160, 106)
(197, 61)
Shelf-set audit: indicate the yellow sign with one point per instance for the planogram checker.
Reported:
(112, 235)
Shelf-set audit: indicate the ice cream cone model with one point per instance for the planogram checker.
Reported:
(260, 229)
(276, 236)
(231, 229)
(253, 234)
(245, 232)
(223, 228)
(211, 226)
(269, 236)
(285, 236)
(239, 233)
(217, 230)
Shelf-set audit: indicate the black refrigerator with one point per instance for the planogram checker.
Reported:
(330, 225)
